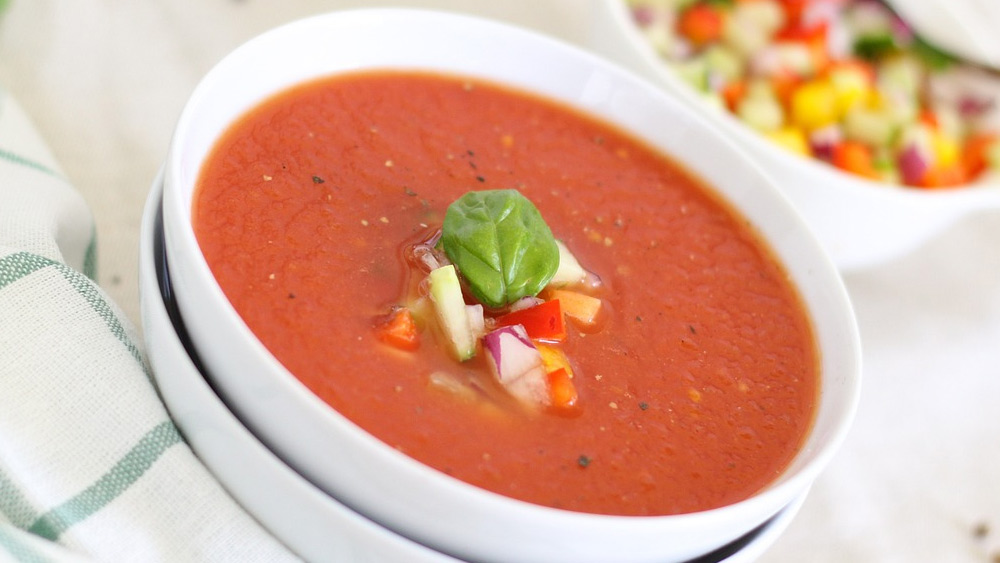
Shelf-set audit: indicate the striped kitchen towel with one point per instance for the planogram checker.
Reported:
(91, 466)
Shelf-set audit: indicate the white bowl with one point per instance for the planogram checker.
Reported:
(307, 520)
(311, 523)
(381, 482)
(860, 222)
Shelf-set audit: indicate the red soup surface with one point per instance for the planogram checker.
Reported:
(697, 390)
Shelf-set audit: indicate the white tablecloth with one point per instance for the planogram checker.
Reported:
(919, 476)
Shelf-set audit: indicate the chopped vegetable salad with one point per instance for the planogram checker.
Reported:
(846, 82)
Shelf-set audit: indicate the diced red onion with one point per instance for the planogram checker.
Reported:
(643, 15)
(428, 257)
(913, 163)
(971, 106)
(900, 30)
(517, 364)
(477, 321)
(822, 141)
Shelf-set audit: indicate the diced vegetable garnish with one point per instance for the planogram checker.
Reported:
(562, 392)
(569, 271)
(517, 364)
(525, 303)
(501, 244)
(975, 156)
(542, 322)
(524, 338)
(814, 105)
(580, 307)
(855, 157)
(792, 139)
(701, 24)
(449, 305)
(399, 331)
(846, 65)
(762, 112)
(553, 358)
(477, 320)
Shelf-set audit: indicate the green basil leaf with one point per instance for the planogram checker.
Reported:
(499, 242)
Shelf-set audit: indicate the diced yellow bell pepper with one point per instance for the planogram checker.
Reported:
(946, 150)
(851, 87)
(791, 138)
(814, 105)
(553, 358)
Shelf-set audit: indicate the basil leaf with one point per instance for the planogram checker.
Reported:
(499, 242)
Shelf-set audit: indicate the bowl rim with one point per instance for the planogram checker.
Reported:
(492, 502)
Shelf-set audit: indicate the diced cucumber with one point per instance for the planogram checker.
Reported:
(446, 293)
(569, 271)
(723, 62)
(873, 127)
(900, 76)
(751, 25)
(763, 113)
(885, 165)
(694, 71)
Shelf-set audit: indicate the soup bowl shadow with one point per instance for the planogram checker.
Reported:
(861, 223)
(377, 480)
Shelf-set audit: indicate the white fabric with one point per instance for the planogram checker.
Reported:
(91, 466)
(917, 477)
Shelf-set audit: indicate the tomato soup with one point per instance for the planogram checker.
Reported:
(695, 391)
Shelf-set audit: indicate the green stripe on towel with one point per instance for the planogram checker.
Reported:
(127, 471)
(21, 551)
(22, 161)
(19, 265)
(13, 504)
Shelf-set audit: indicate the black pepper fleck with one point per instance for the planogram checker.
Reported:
(643, 405)
(583, 461)
(318, 180)
(480, 178)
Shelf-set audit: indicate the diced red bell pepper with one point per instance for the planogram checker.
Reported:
(793, 11)
(814, 38)
(974, 159)
(854, 157)
(399, 331)
(543, 321)
(943, 176)
(733, 92)
(701, 24)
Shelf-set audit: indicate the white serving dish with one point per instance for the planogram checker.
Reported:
(311, 523)
(860, 222)
(382, 483)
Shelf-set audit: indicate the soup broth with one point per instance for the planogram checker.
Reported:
(695, 390)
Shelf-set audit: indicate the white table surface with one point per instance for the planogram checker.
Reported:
(919, 476)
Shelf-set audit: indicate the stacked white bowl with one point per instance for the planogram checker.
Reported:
(287, 455)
